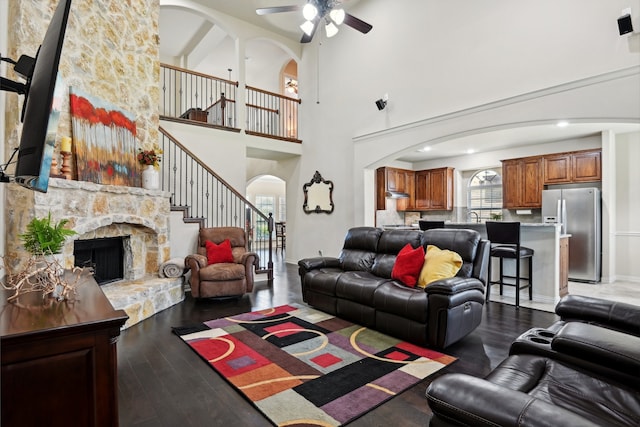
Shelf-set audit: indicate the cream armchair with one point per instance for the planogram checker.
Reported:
(221, 279)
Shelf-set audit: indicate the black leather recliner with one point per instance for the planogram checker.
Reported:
(583, 370)
(358, 286)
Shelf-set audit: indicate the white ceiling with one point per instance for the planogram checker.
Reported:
(181, 32)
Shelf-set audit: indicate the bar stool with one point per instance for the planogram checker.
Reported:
(428, 225)
(505, 243)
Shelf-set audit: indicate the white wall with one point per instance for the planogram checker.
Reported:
(627, 232)
(184, 237)
(225, 152)
(448, 67)
(451, 67)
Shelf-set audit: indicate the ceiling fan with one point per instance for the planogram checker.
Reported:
(316, 12)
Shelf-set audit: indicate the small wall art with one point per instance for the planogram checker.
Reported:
(104, 141)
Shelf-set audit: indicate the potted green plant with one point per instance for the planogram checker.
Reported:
(45, 238)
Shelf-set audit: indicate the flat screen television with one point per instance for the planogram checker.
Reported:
(41, 108)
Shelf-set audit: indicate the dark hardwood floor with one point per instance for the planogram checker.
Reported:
(162, 382)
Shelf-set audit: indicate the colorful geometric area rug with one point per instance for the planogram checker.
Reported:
(300, 366)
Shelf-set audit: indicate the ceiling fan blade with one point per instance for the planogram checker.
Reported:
(277, 9)
(357, 24)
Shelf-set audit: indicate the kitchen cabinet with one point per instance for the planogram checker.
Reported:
(586, 166)
(557, 168)
(407, 179)
(523, 179)
(398, 181)
(575, 166)
(522, 183)
(434, 189)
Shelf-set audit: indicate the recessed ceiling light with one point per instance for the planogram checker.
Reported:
(562, 124)
(471, 151)
(425, 149)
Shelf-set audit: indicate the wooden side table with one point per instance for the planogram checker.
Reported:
(59, 360)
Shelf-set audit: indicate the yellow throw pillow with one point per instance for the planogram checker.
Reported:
(438, 264)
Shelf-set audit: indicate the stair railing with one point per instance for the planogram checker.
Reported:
(271, 115)
(189, 95)
(211, 201)
(197, 98)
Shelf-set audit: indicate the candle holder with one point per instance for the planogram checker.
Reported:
(66, 164)
(54, 172)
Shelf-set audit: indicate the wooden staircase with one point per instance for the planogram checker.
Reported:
(205, 198)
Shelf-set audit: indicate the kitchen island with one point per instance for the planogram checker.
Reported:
(545, 240)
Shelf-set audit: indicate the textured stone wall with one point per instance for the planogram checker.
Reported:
(95, 211)
(111, 51)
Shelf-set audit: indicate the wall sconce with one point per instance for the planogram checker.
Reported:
(625, 26)
(382, 102)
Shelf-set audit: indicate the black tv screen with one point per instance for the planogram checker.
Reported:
(40, 113)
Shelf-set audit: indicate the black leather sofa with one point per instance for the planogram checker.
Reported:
(358, 286)
(581, 371)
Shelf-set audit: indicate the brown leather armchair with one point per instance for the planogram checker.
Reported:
(222, 279)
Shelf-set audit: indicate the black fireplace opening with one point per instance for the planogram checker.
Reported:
(105, 256)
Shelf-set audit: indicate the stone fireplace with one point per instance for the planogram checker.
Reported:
(105, 256)
(140, 217)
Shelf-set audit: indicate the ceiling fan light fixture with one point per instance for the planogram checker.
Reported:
(337, 16)
(307, 27)
(331, 29)
(291, 85)
(309, 11)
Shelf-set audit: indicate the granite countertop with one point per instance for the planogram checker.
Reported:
(398, 227)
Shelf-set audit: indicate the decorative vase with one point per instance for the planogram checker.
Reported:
(150, 178)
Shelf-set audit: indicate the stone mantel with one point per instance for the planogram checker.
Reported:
(93, 211)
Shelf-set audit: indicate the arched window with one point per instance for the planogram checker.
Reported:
(484, 196)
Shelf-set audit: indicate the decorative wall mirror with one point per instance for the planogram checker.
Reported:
(318, 195)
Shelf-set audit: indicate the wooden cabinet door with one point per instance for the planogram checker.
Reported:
(392, 179)
(557, 168)
(381, 189)
(586, 166)
(510, 184)
(441, 191)
(521, 183)
(434, 189)
(531, 189)
(407, 178)
(422, 186)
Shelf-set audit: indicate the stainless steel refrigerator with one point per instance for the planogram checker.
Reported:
(579, 210)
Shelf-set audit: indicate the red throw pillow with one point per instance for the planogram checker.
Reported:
(408, 265)
(219, 253)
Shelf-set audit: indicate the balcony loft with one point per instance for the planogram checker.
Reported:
(204, 100)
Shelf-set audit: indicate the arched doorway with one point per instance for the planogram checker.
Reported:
(268, 194)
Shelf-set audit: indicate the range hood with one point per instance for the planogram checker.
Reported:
(396, 195)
